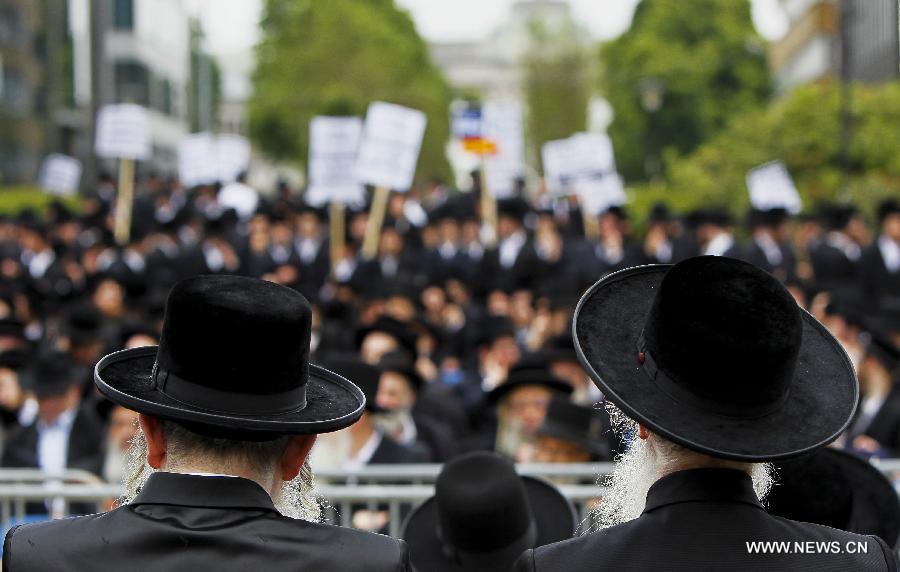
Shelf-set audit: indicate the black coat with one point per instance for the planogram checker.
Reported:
(880, 287)
(702, 519)
(193, 523)
(785, 271)
(85, 444)
(390, 452)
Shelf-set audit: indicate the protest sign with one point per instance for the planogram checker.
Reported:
(389, 151)
(771, 187)
(122, 132)
(60, 174)
(333, 144)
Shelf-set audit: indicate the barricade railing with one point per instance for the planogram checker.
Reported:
(388, 492)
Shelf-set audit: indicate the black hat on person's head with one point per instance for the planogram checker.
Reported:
(769, 218)
(491, 328)
(887, 208)
(483, 516)
(836, 216)
(14, 359)
(837, 489)
(713, 352)
(716, 216)
(365, 376)
(882, 348)
(393, 327)
(400, 362)
(12, 328)
(84, 323)
(659, 213)
(514, 207)
(574, 423)
(52, 372)
(233, 362)
(529, 373)
(559, 348)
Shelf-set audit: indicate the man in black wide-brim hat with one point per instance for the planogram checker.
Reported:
(229, 409)
(715, 371)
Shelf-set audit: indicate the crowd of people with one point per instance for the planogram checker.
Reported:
(460, 341)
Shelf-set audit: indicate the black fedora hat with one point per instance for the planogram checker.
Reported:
(401, 363)
(233, 362)
(393, 327)
(715, 355)
(837, 489)
(483, 516)
(529, 373)
(365, 376)
(574, 423)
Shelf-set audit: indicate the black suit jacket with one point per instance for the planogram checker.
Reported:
(197, 523)
(702, 519)
(85, 444)
(880, 287)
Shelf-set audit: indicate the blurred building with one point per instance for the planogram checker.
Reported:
(34, 59)
(62, 59)
(492, 67)
(812, 47)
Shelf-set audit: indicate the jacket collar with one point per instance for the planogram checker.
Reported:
(693, 485)
(203, 491)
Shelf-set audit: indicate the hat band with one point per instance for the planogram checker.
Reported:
(677, 392)
(217, 401)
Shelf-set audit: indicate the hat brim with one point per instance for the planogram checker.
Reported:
(608, 321)
(332, 402)
(876, 507)
(506, 387)
(554, 518)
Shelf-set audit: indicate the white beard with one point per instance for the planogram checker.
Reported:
(295, 499)
(331, 450)
(644, 463)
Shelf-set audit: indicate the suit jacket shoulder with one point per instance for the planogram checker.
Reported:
(219, 531)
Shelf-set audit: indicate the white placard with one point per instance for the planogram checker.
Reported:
(197, 160)
(389, 151)
(60, 174)
(333, 144)
(581, 156)
(598, 194)
(122, 132)
(502, 124)
(771, 187)
(232, 157)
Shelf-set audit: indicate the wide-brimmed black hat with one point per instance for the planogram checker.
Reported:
(393, 327)
(715, 355)
(483, 516)
(52, 372)
(837, 489)
(574, 423)
(233, 362)
(365, 376)
(529, 373)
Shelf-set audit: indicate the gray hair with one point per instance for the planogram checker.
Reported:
(186, 450)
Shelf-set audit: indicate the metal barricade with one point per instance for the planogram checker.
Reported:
(392, 490)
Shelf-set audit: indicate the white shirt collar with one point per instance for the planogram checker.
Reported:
(719, 245)
(890, 253)
(364, 455)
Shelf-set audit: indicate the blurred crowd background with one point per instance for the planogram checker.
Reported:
(460, 342)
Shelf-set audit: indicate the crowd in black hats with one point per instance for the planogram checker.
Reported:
(459, 337)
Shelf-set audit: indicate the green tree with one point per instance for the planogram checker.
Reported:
(677, 75)
(556, 82)
(334, 58)
(804, 130)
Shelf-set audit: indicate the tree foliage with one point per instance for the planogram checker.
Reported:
(556, 84)
(704, 60)
(334, 58)
(804, 130)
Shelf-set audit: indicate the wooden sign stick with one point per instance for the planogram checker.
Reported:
(336, 226)
(124, 201)
(376, 220)
(488, 206)
(591, 224)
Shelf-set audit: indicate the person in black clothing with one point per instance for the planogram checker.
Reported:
(715, 371)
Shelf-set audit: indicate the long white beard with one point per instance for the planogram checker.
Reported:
(295, 499)
(644, 463)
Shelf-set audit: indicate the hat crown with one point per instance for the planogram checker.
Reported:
(481, 503)
(725, 333)
(238, 337)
